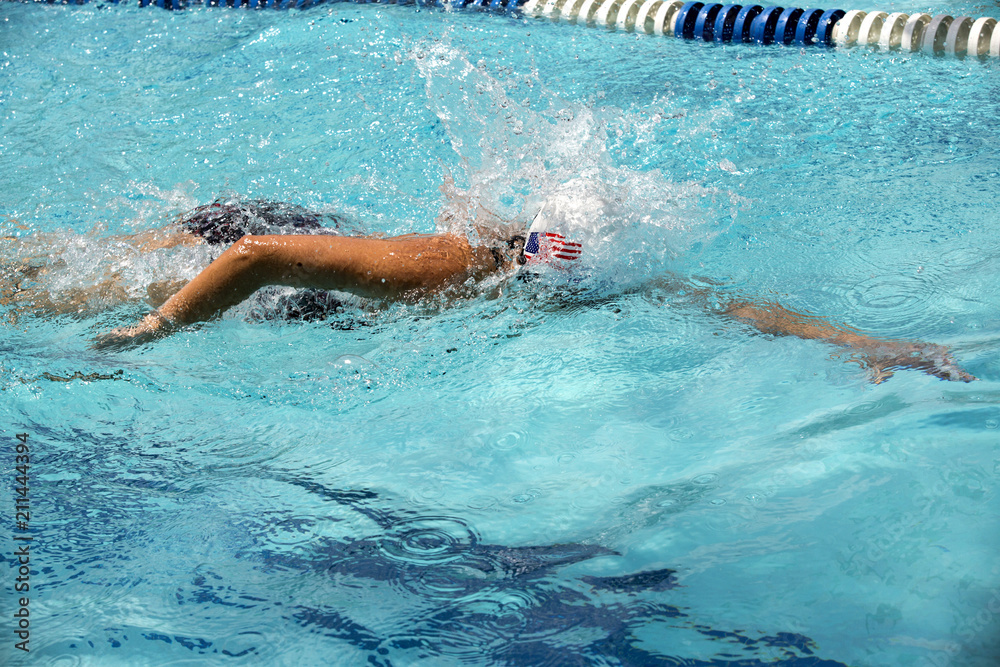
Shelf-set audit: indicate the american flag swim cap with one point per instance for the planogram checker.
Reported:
(543, 245)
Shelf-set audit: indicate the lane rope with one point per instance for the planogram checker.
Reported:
(942, 34)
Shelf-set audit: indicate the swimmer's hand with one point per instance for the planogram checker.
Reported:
(883, 358)
(152, 326)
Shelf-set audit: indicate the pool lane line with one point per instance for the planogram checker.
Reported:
(792, 26)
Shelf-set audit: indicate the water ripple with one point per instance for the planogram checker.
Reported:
(428, 540)
(516, 437)
(895, 303)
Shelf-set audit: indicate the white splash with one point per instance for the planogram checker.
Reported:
(522, 147)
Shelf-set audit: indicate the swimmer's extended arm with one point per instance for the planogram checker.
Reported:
(377, 268)
(879, 356)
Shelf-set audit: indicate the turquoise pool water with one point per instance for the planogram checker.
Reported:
(621, 477)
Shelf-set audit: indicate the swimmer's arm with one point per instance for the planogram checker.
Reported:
(773, 318)
(375, 268)
(880, 356)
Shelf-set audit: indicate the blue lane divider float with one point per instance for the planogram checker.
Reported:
(725, 21)
(710, 22)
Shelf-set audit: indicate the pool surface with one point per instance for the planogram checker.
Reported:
(584, 468)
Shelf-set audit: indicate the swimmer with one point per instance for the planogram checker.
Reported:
(266, 246)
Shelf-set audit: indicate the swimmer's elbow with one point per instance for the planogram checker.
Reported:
(249, 258)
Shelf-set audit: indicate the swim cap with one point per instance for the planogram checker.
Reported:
(545, 245)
